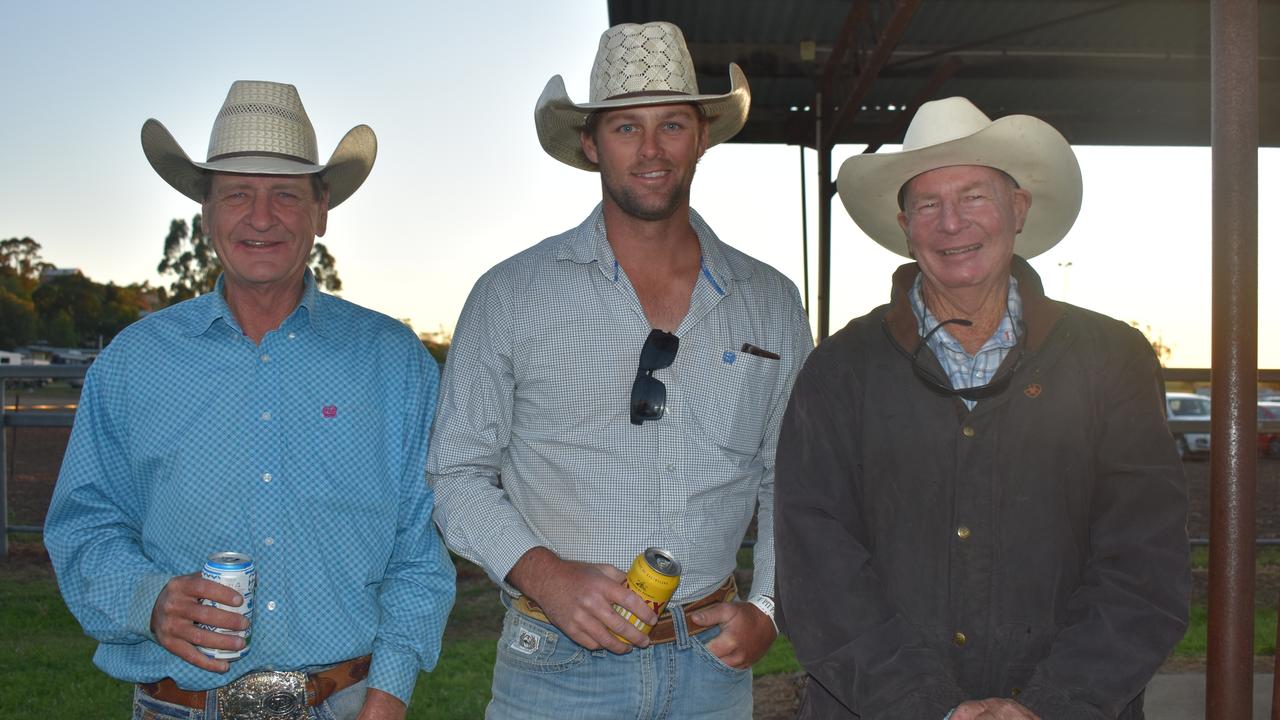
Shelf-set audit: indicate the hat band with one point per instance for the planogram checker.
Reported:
(256, 153)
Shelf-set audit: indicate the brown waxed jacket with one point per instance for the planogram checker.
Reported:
(1034, 547)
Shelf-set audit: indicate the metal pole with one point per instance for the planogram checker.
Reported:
(1233, 470)
(4, 479)
(804, 231)
(824, 226)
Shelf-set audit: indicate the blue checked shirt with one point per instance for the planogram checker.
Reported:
(533, 444)
(306, 451)
(965, 370)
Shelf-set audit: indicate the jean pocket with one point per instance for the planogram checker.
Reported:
(700, 642)
(530, 645)
(146, 707)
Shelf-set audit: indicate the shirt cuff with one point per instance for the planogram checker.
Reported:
(143, 602)
(393, 671)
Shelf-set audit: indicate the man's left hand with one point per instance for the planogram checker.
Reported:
(379, 705)
(745, 632)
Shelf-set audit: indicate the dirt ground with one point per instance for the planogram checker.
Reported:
(35, 454)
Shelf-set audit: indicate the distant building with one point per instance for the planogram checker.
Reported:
(52, 273)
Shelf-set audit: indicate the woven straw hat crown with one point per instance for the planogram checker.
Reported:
(636, 65)
(642, 58)
(262, 129)
(263, 118)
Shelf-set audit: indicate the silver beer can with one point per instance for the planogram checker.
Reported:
(236, 571)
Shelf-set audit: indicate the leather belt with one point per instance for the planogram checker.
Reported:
(319, 685)
(664, 631)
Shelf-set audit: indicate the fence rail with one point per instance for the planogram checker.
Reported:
(46, 419)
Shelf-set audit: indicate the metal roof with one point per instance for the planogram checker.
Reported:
(1128, 72)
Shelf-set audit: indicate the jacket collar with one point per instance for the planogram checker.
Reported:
(1039, 313)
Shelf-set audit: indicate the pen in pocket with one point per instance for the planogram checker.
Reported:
(759, 352)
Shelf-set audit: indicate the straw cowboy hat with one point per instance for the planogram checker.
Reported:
(262, 129)
(637, 65)
(954, 132)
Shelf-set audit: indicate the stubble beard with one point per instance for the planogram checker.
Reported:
(650, 210)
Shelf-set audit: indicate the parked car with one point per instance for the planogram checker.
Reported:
(1186, 406)
(1269, 442)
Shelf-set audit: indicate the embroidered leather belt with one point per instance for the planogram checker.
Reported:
(664, 631)
(267, 694)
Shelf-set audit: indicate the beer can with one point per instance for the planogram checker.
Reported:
(236, 571)
(654, 576)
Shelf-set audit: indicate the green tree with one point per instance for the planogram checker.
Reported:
(22, 256)
(190, 259)
(18, 320)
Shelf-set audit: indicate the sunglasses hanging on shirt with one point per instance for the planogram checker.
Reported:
(648, 393)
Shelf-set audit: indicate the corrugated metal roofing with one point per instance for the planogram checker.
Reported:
(1127, 72)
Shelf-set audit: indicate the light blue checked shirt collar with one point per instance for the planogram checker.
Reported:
(202, 315)
(962, 369)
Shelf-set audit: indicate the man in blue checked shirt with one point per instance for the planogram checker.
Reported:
(266, 418)
(615, 388)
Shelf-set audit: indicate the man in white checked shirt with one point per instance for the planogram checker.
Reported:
(619, 387)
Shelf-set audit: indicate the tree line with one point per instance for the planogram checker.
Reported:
(39, 304)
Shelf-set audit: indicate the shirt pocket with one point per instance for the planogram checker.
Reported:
(730, 394)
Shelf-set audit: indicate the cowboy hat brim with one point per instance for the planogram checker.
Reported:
(1027, 148)
(560, 121)
(346, 171)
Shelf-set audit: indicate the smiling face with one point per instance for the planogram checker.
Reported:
(263, 227)
(961, 222)
(647, 156)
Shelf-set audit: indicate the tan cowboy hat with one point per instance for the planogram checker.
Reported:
(954, 132)
(637, 65)
(262, 129)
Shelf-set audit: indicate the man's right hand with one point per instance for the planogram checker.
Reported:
(178, 609)
(578, 598)
(993, 709)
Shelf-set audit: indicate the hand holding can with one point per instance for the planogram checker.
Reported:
(236, 571)
(654, 576)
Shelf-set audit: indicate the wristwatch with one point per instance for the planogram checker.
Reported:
(764, 604)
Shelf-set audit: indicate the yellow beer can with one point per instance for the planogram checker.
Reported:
(654, 576)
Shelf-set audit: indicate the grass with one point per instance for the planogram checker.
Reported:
(47, 661)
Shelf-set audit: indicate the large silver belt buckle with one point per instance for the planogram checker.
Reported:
(265, 695)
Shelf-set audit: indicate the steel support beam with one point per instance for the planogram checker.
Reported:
(1233, 30)
(831, 116)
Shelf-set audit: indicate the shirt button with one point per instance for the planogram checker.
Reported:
(962, 532)
(269, 542)
(266, 477)
(959, 638)
(968, 431)
(271, 604)
(266, 358)
(266, 415)
(292, 335)
(671, 468)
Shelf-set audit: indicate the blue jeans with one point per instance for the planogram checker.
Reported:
(541, 674)
(342, 705)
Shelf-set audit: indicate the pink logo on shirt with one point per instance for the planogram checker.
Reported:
(329, 411)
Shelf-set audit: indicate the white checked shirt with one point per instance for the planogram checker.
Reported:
(965, 370)
(533, 444)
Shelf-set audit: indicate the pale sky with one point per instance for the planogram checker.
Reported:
(461, 183)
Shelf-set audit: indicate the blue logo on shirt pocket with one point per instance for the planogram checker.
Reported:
(730, 357)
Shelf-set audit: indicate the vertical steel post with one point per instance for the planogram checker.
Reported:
(4, 479)
(824, 223)
(804, 229)
(1233, 440)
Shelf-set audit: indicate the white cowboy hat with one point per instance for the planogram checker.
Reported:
(951, 132)
(637, 65)
(262, 129)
